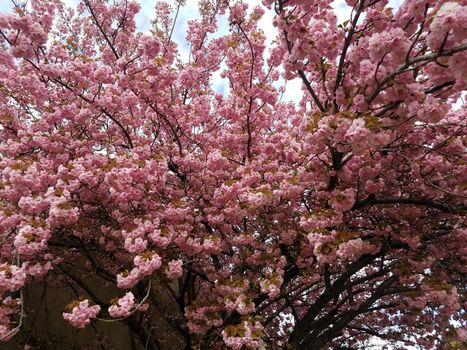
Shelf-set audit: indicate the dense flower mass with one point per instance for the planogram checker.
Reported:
(233, 219)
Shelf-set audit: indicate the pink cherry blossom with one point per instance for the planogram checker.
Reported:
(174, 269)
(282, 175)
(82, 314)
(123, 306)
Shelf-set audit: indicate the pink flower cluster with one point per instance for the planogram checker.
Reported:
(343, 200)
(82, 314)
(174, 269)
(123, 306)
(135, 244)
(202, 318)
(241, 304)
(145, 264)
(354, 248)
(31, 240)
(450, 18)
(271, 285)
(37, 269)
(12, 277)
(249, 336)
(128, 279)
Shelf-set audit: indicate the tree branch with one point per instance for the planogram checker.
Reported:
(415, 201)
(311, 91)
(402, 69)
(348, 40)
(94, 17)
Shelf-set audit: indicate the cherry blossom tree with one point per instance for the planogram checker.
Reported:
(235, 220)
